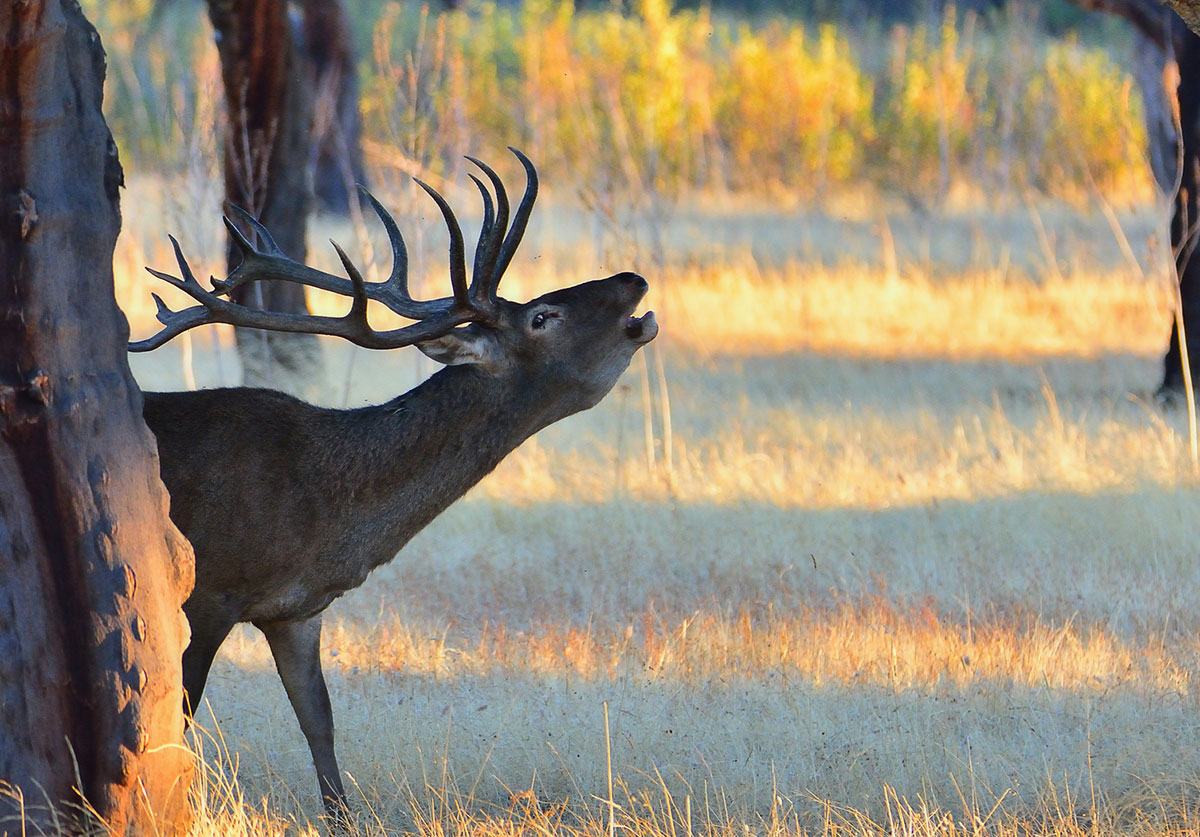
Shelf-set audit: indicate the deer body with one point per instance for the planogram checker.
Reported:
(288, 506)
(322, 497)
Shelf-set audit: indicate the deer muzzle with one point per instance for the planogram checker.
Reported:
(642, 329)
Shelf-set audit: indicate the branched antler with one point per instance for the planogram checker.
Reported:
(473, 302)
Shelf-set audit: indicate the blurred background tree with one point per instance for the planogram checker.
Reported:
(1171, 52)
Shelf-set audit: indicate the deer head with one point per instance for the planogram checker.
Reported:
(571, 343)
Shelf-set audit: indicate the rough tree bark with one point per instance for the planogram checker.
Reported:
(330, 59)
(266, 163)
(92, 572)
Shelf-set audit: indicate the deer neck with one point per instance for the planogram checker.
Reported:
(423, 450)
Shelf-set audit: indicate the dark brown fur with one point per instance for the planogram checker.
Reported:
(289, 505)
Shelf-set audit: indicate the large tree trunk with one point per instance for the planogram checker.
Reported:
(92, 572)
(330, 58)
(266, 164)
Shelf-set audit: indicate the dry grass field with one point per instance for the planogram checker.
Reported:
(886, 535)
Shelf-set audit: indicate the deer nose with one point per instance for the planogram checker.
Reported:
(632, 279)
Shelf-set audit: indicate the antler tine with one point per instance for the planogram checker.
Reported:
(513, 239)
(188, 284)
(485, 267)
(271, 263)
(458, 259)
(485, 233)
(185, 270)
(394, 291)
(263, 233)
(212, 308)
(176, 322)
(358, 307)
(248, 250)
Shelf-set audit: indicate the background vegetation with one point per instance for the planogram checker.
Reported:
(883, 535)
(680, 102)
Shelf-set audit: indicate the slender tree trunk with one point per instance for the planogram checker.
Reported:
(1184, 220)
(1166, 34)
(330, 61)
(92, 572)
(266, 168)
(1157, 77)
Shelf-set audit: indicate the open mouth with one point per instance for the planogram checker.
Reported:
(641, 329)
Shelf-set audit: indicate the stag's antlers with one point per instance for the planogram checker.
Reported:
(474, 302)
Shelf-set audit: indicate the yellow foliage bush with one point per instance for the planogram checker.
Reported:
(793, 111)
(1091, 115)
(675, 101)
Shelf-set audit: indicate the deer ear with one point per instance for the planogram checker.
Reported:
(460, 346)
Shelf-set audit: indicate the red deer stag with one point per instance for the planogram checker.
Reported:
(289, 505)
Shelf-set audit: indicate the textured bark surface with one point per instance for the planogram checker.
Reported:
(266, 164)
(330, 62)
(92, 572)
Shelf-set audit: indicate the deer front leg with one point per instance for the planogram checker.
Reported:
(209, 628)
(296, 647)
